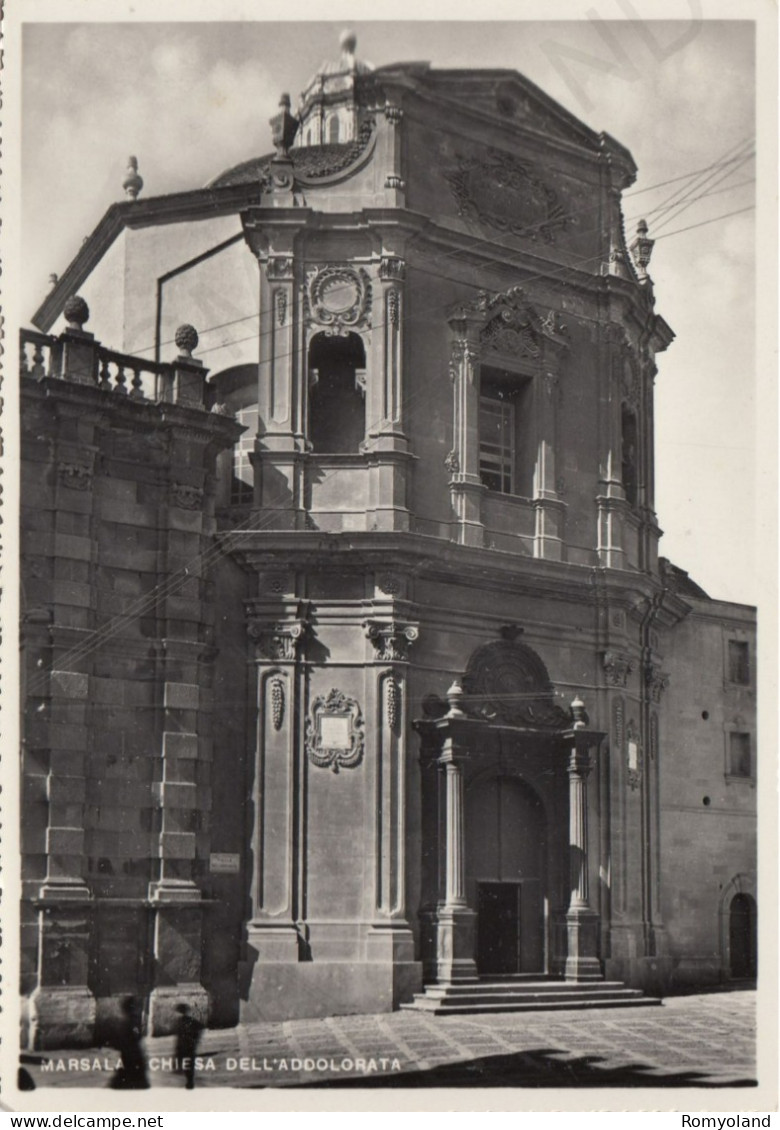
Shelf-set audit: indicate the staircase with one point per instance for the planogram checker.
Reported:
(524, 993)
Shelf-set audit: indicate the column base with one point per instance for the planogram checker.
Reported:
(61, 1017)
(582, 961)
(455, 928)
(163, 1007)
(273, 941)
(392, 942)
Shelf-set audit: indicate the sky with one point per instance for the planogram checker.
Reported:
(191, 99)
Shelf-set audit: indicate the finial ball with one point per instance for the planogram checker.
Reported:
(186, 338)
(348, 42)
(76, 311)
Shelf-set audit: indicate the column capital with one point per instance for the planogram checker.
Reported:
(391, 638)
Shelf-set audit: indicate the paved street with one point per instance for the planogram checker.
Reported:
(705, 1040)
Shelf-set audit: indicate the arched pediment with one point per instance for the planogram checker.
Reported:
(509, 323)
(507, 682)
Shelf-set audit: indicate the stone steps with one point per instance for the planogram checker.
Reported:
(519, 994)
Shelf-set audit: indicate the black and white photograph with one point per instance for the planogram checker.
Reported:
(390, 556)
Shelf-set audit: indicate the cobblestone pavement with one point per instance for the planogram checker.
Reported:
(700, 1041)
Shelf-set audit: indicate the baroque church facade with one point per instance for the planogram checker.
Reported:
(352, 676)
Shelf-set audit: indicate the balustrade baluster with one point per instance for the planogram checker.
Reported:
(137, 392)
(24, 369)
(105, 376)
(121, 380)
(38, 369)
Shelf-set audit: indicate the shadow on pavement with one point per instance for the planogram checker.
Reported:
(538, 1068)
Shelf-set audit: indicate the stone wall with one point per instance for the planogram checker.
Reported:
(118, 645)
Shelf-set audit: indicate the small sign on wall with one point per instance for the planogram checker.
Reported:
(225, 862)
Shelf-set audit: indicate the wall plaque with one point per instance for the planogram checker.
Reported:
(224, 863)
(334, 732)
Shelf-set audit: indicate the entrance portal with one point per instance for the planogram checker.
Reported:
(742, 936)
(505, 869)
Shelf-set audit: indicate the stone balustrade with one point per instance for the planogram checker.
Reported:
(76, 356)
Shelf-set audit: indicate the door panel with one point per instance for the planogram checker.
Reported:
(506, 860)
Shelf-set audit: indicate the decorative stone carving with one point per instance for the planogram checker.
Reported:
(391, 639)
(552, 325)
(394, 693)
(641, 248)
(393, 181)
(500, 191)
(277, 642)
(279, 267)
(338, 297)
(77, 476)
(508, 681)
(451, 462)
(653, 737)
(281, 306)
(391, 267)
(334, 732)
(512, 325)
(656, 681)
(393, 304)
(618, 620)
(187, 497)
(617, 667)
(276, 694)
(619, 719)
(633, 756)
(327, 161)
(462, 354)
(394, 114)
(389, 583)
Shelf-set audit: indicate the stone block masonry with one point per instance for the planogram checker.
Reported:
(116, 653)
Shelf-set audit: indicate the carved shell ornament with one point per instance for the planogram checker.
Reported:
(339, 298)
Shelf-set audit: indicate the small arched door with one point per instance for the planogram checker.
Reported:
(743, 937)
(506, 857)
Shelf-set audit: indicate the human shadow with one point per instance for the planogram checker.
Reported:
(540, 1067)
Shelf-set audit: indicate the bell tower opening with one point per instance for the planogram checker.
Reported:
(337, 410)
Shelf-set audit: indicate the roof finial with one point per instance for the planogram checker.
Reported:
(133, 182)
(283, 128)
(348, 42)
(641, 248)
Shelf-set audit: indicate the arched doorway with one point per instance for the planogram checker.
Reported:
(506, 858)
(743, 937)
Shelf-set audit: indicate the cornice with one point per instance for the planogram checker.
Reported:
(428, 83)
(438, 561)
(199, 203)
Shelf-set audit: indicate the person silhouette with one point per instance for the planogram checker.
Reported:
(188, 1032)
(131, 1072)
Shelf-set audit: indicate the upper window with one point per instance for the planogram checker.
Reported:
(497, 442)
(337, 411)
(629, 456)
(506, 439)
(242, 482)
(740, 763)
(739, 665)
